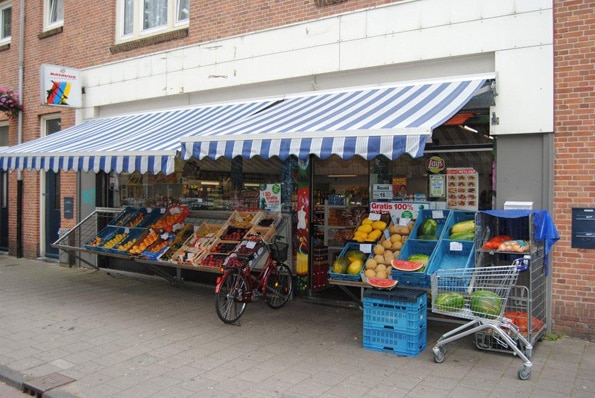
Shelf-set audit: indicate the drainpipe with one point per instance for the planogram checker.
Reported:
(19, 229)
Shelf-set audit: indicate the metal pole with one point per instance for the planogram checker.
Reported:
(19, 212)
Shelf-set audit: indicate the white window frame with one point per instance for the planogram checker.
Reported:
(138, 31)
(48, 22)
(4, 6)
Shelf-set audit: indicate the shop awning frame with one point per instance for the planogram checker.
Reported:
(388, 120)
(143, 142)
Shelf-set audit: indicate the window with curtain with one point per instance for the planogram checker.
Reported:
(141, 18)
(54, 13)
(5, 22)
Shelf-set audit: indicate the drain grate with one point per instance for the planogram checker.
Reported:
(42, 384)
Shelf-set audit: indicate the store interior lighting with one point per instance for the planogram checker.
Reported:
(209, 183)
(471, 129)
(342, 175)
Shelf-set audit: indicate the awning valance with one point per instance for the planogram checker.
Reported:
(388, 120)
(143, 142)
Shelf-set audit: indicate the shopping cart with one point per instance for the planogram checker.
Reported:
(478, 294)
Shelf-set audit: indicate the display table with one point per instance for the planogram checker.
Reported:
(342, 284)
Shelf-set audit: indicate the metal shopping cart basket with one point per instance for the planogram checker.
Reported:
(478, 294)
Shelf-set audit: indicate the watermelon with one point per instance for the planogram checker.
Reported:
(428, 227)
(485, 304)
(382, 283)
(449, 301)
(407, 266)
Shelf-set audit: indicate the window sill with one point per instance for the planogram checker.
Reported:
(148, 41)
(50, 32)
(5, 46)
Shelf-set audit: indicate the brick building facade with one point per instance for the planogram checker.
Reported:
(86, 40)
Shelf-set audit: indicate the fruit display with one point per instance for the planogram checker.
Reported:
(233, 233)
(145, 241)
(114, 240)
(172, 216)
(463, 230)
(223, 247)
(349, 264)
(485, 304)
(449, 301)
(388, 249)
(369, 230)
(243, 219)
(428, 230)
(211, 260)
(408, 265)
(381, 283)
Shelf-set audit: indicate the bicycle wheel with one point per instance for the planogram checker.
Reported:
(279, 286)
(228, 298)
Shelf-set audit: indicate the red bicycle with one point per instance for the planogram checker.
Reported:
(240, 284)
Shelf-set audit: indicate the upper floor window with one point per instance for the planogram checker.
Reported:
(139, 18)
(5, 22)
(53, 11)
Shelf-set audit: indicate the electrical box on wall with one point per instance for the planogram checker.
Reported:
(583, 228)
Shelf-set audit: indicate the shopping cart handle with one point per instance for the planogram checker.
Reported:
(522, 263)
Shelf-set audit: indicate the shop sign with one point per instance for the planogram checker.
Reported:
(435, 164)
(60, 86)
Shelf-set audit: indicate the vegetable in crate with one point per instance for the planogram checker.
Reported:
(462, 227)
(496, 241)
(485, 304)
(449, 301)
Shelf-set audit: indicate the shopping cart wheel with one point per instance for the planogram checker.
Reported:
(439, 354)
(524, 373)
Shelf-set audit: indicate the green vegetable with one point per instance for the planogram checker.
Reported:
(470, 235)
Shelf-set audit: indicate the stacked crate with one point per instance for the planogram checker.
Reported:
(395, 321)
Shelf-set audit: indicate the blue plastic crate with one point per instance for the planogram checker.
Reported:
(105, 234)
(396, 314)
(415, 278)
(395, 342)
(133, 233)
(450, 254)
(439, 215)
(346, 277)
(125, 216)
(456, 216)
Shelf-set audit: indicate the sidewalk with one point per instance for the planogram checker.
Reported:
(113, 335)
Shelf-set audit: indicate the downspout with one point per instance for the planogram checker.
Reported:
(19, 215)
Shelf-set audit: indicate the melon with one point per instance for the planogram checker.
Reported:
(449, 301)
(407, 266)
(485, 304)
(382, 283)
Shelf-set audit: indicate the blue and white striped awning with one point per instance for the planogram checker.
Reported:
(388, 120)
(143, 142)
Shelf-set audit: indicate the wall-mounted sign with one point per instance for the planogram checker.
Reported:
(435, 164)
(382, 191)
(60, 86)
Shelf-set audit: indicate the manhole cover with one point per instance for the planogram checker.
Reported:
(42, 384)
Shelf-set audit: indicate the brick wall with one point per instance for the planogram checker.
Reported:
(573, 277)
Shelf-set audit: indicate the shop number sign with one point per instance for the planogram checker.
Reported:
(382, 191)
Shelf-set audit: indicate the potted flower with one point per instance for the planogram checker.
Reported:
(9, 102)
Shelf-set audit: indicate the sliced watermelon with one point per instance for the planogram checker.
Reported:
(382, 283)
(408, 266)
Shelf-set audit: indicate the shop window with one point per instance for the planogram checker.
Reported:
(53, 14)
(5, 23)
(141, 18)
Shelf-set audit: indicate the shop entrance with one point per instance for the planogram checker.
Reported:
(50, 125)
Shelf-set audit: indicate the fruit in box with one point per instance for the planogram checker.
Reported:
(141, 246)
(369, 230)
(233, 233)
(340, 265)
(213, 260)
(117, 238)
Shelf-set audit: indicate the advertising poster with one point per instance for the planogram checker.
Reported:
(270, 197)
(303, 217)
(462, 184)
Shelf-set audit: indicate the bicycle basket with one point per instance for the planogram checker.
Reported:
(279, 251)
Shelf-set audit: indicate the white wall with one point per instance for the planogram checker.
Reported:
(403, 41)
